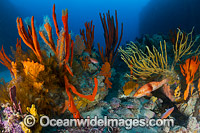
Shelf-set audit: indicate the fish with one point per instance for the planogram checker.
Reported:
(146, 89)
(167, 113)
(93, 60)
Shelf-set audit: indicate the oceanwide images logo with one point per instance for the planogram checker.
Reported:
(29, 121)
(45, 121)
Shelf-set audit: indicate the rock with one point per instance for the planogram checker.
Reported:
(178, 129)
(129, 105)
(188, 108)
(149, 105)
(115, 102)
(96, 112)
(112, 115)
(100, 81)
(166, 129)
(193, 125)
(147, 113)
(92, 68)
(135, 101)
(125, 113)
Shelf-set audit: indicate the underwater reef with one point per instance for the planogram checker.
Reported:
(156, 77)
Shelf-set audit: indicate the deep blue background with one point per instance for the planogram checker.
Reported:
(139, 16)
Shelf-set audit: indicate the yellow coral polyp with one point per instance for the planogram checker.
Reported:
(33, 69)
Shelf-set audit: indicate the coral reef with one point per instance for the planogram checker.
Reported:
(89, 35)
(67, 81)
(111, 38)
(43, 79)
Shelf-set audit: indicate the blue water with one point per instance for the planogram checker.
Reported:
(138, 16)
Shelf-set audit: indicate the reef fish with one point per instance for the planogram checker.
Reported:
(167, 113)
(94, 60)
(146, 89)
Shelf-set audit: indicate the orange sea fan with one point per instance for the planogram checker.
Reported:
(188, 70)
(33, 69)
(105, 71)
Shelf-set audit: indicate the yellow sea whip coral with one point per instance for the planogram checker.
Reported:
(145, 64)
(155, 62)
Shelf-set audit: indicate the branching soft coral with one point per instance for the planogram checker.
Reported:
(144, 65)
(188, 70)
(155, 62)
(58, 67)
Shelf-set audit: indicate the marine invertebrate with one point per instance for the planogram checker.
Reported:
(173, 37)
(69, 104)
(199, 86)
(89, 35)
(156, 61)
(37, 127)
(105, 71)
(32, 68)
(129, 87)
(184, 46)
(30, 38)
(79, 46)
(111, 38)
(188, 70)
(18, 46)
(5, 60)
(10, 120)
(38, 81)
(85, 62)
(144, 65)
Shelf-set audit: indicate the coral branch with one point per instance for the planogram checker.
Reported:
(5, 60)
(144, 65)
(18, 46)
(72, 52)
(89, 35)
(67, 36)
(89, 97)
(111, 38)
(70, 103)
(188, 70)
(49, 33)
(32, 41)
(55, 21)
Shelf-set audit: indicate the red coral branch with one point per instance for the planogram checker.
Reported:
(55, 21)
(32, 41)
(111, 38)
(70, 103)
(18, 46)
(89, 35)
(5, 60)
